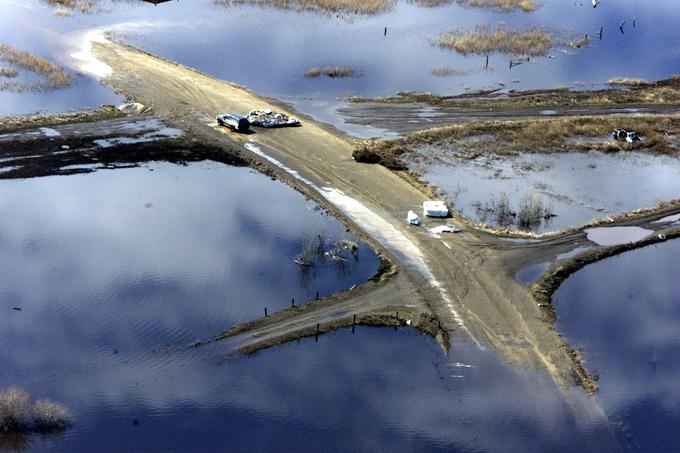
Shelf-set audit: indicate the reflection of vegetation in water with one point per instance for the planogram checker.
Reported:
(20, 418)
(52, 75)
(324, 6)
(448, 72)
(332, 72)
(532, 211)
(318, 251)
(534, 41)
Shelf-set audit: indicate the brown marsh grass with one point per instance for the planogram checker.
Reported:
(483, 40)
(322, 6)
(65, 6)
(52, 75)
(535, 135)
(19, 415)
(494, 5)
(8, 72)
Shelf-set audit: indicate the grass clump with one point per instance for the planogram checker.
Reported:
(65, 6)
(53, 76)
(9, 73)
(534, 41)
(19, 415)
(502, 6)
(344, 7)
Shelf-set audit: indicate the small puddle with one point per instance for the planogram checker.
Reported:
(572, 253)
(616, 235)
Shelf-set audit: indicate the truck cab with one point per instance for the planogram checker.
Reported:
(234, 122)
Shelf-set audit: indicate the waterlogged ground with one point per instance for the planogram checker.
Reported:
(269, 50)
(625, 313)
(575, 187)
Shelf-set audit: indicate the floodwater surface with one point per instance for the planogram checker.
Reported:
(575, 187)
(625, 314)
(269, 50)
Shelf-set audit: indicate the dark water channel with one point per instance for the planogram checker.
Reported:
(625, 313)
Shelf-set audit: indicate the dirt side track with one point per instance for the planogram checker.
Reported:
(464, 282)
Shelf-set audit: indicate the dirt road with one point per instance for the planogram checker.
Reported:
(460, 278)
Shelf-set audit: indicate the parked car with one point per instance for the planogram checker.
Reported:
(627, 136)
(234, 121)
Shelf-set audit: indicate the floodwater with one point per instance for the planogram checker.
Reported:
(117, 273)
(207, 238)
(625, 313)
(268, 50)
(575, 187)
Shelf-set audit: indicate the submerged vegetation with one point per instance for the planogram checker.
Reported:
(318, 249)
(483, 40)
(53, 76)
(494, 5)
(448, 72)
(323, 6)
(529, 215)
(19, 415)
(332, 72)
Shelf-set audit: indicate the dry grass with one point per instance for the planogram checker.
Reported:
(549, 135)
(18, 414)
(52, 75)
(332, 72)
(66, 6)
(622, 81)
(322, 6)
(502, 6)
(8, 72)
(534, 41)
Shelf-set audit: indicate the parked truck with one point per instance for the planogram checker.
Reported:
(234, 122)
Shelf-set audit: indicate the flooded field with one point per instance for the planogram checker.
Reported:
(111, 277)
(402, 59)
(624, 313)
(572, 188)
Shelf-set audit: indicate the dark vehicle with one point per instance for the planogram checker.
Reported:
(626, 136)
(233, 121)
